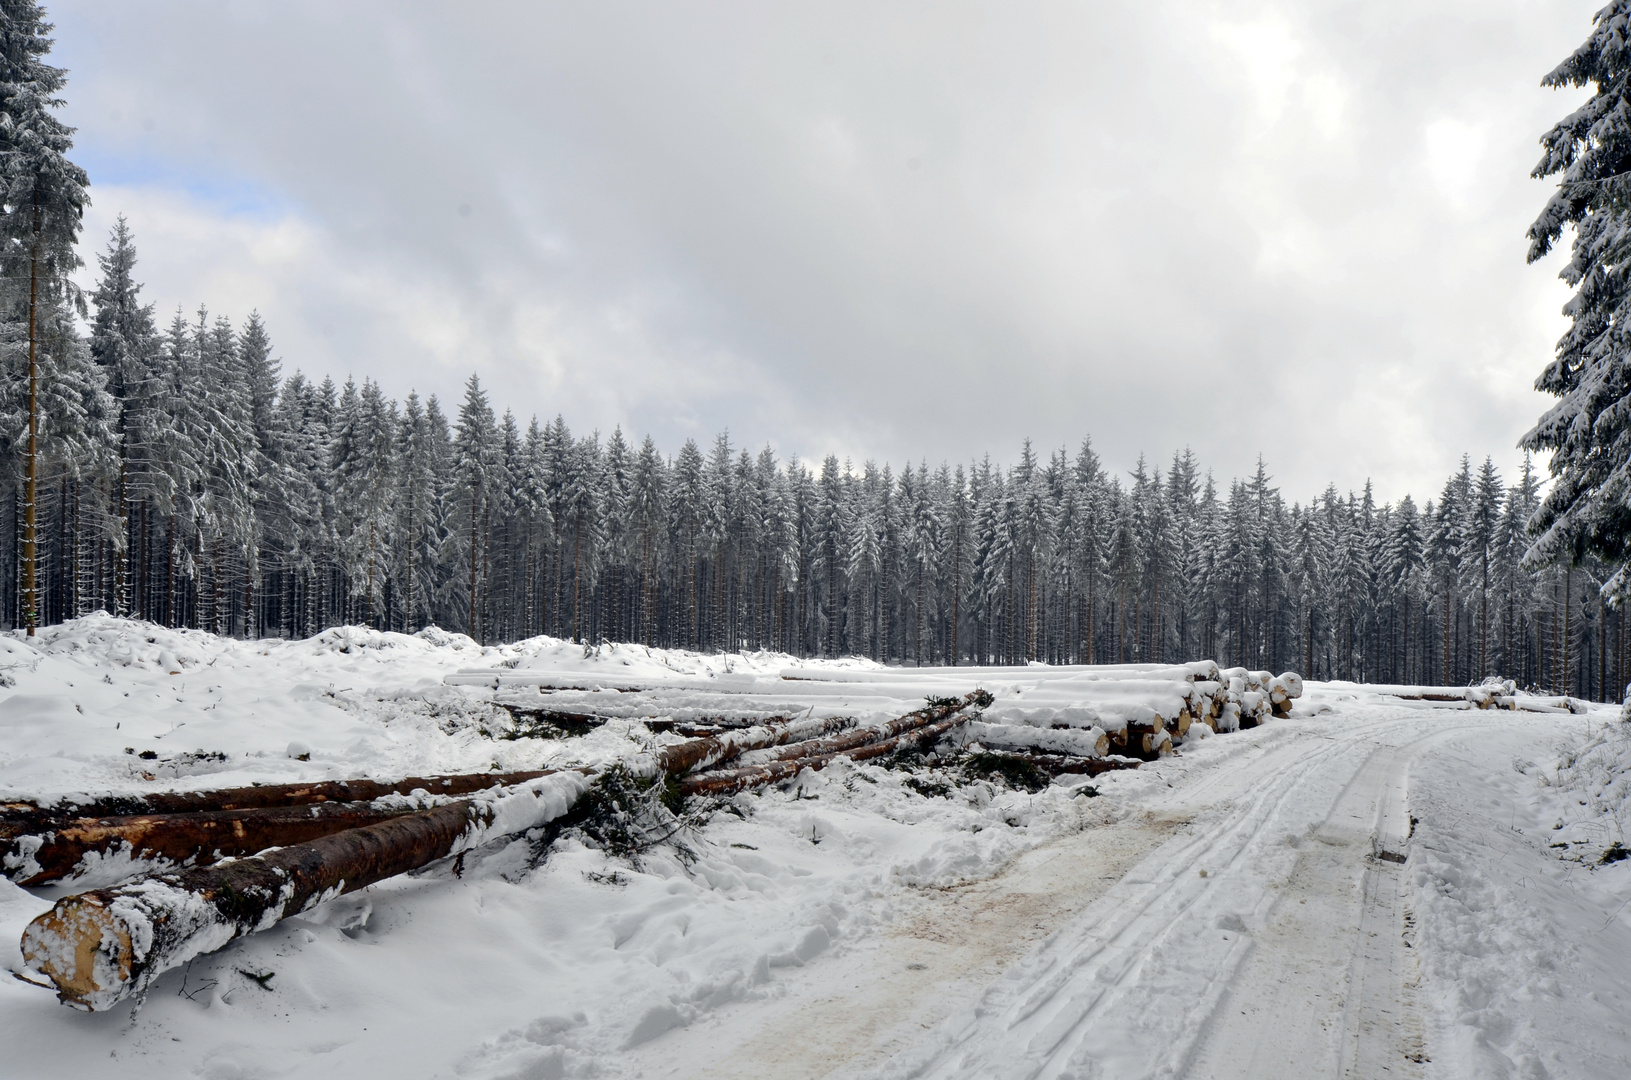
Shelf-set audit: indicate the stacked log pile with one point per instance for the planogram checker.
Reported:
(1493, 693)
(1142, 710)
(236, 861)
(99, 947)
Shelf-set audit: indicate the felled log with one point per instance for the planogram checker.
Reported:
(728, 781)
(695, 754)
(31, 816)
(196, 839)
(39, 846)
(1072, 742)
(868, 736)
(923, 727)
(1148, 741)
(1063, 764)
(100, 947)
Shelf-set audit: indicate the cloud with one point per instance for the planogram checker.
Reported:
(893, 231)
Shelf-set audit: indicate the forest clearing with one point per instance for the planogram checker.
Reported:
(863, 908)
(846, 541)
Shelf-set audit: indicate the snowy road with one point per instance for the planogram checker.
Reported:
(1268, 941)
(1270, 937)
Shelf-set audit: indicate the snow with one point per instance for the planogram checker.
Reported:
(1219, 913)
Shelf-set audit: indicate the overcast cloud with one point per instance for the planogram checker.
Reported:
(890, 231)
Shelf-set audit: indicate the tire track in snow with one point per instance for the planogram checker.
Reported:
(1326, 990)
(1129, 987)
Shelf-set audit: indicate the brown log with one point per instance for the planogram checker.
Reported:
(197, 839)
(919, 728)
(1143, 739)
(1063, 764)
(851, 742)
(729, 781)
(687, 757)
(31, 816)
(102, 946)
(41, 845)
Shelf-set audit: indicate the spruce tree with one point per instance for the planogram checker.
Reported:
(476, 451)
(41, 207)
(1588, 431)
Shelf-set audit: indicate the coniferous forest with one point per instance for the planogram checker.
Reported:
(185, 479)
(175, 473)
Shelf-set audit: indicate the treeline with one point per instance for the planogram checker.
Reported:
(184, 480)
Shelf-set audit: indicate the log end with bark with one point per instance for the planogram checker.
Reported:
(102, 946)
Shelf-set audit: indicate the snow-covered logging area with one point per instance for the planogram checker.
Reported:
(1196, 916)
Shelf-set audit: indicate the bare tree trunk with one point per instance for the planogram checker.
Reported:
(577, 574)
(373, 536)
(1568, 630)
(475, 557)
(170, 574)
(1446, 631)
(251, 566)
(218, 593)
(917, 640)
(118, 602)
(1602, 649)
(31, 600)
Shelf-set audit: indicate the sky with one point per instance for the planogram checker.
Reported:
(1287, 228)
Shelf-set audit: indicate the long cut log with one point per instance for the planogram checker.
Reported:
(195, 839)
(100, 947)
(697, 754)
(30, 816)
(40, 845)
(870, 736)
(1064, 764)
(728, 781)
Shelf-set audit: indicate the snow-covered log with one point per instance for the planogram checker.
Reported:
(869, 735)
(31, 816)
(81, 844)
(1283, 690)
(1068, 765)
(1491, 694)
(100, 947)
(1089, 743)
(697, 754)
(924, 727)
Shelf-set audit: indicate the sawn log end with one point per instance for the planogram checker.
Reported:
(84, 949)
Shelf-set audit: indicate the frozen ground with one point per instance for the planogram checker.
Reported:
(1223, 913)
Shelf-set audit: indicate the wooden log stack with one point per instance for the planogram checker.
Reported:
(99, 947)
(239, 860)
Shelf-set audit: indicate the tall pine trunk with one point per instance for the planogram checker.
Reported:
(475, 556)
(31, 477)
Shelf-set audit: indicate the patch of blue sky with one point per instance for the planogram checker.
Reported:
(229, 195)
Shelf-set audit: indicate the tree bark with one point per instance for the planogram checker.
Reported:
(727, 781)
(1062, 765)
(17, 818)
(859, 745)
(63, 847)
(103, 946)
(31, 477)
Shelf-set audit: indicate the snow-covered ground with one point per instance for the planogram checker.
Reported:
(1221, 913)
